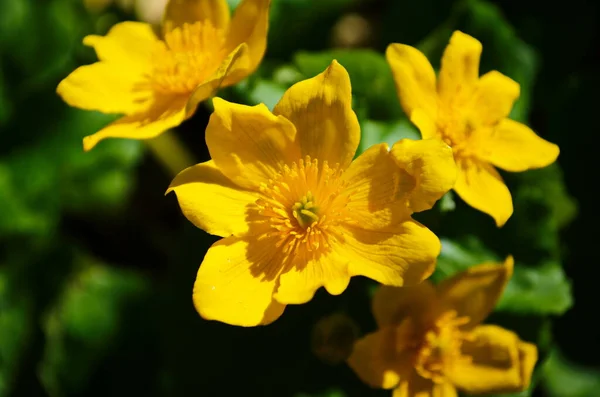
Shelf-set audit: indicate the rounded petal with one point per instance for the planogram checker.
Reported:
(480, 186)
(474, 292)
(417, 386)
(321, 110)
(377, 362)
(493, 100)
(391, 305)
(248, 143)
(431, 164)
(179, 12)
(130, 44)
(250, 25)
(211, 201)
(513, 146)
(165, 113)
(236, 281)
(425, 123)
(299, 284)
(107, 88)
(414, 77)
(459, 71)
(500, 362)
(402, 254)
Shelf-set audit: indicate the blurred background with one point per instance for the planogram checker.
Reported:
(97, 265)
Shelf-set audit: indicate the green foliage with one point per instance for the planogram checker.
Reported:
(563, 378)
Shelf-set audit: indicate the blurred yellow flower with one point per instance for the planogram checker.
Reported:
(297, 213)
(430, 342)
(157, 83)
(470, 114)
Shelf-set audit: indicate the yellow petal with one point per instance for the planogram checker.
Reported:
(431, 164)
(391, 305)
(493, 100)
(107, 88)
(480, 186)
(130, 44)
(513, 146)
(425, 123)
(475, 291)
(414, 78)
(417, 386)
(499, 364)
(179, 12)
(166, 112)
(321, 110)
(236, 281)
(299, 284)
(233, 63)
(211, 201)
(248, 143)
(250, 25)
(402, 254)
(376, 361)
(378, 189)
(459, 71)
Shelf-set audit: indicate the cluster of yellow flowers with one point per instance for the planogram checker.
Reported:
(297, 211)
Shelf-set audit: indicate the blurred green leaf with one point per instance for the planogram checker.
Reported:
(370, 76)
(328, 393)
(562, 378)
(85, 323)
(373, 132)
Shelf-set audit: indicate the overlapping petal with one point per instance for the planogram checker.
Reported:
(203, 191)
(179, 12)
(391, 305)
(236, 281)
(501, 363)
(321, 110)
(417, 386)
(495, 95)
(248, 143)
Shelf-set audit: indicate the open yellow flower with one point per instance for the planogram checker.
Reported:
(156, 83)
(470, 114)
(297, 213)
(430, 342)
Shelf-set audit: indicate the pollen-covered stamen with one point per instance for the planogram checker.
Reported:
(302, 204)
(187, 57)
(440, 348)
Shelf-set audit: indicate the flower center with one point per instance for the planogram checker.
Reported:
(301, 207)
(440, 348)
(187, 57)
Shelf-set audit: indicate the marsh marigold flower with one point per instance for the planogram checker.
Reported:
(156, 83)
(470, 114)
(430, 341)
(296, 212)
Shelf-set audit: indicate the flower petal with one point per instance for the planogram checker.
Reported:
(417, 386)
(425, 123)
(475, 291)
(493, 100)
(250, 25)
(375, 358)
(130, 44)
(106, 87)
(248, 143)
(321, 110)
(211, 201)
(391, 305)
(236, 281)
(431, 164)
(179, 12)
(459, 71)
(166, 112)
(499, 364)
(480, 186)
(414, 77)
(402, 254)
(299, 284)
(513, 146)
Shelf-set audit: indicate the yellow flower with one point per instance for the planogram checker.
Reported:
(157, 83)
(430, 342)
(470, 114)
(297, 213)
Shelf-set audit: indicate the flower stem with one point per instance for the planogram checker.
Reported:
(169, 151)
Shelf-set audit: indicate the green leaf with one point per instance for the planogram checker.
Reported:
(334, 392)
(374, 132)
(370, 75)
(561, 378)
